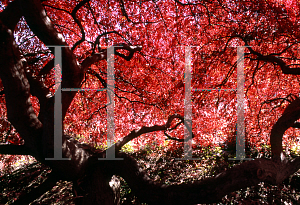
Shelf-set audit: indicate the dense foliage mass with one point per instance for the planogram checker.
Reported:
(150, 40)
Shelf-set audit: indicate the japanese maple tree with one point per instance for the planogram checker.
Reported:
(150, 40)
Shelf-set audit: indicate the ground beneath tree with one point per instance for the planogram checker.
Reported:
(160, 164)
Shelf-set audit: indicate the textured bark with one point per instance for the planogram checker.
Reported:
(210, 190)
(37, 192)
(287, 120)
(97, 188)
(17, 89)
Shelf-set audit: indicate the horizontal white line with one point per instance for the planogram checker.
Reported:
(196, 89)
(81, 89)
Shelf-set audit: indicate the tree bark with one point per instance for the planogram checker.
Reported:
(290, 115)
(97, 188)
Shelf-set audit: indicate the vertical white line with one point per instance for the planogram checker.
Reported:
(110, 97)
(240, 141)
(57, 106)
(187, 103)
(110, 151)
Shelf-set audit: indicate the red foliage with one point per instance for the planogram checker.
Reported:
(150, 86)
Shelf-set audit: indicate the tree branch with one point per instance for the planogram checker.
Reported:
(290, 115)
(97, 41)
(17, 89)
(103, 54)
(77, 7)
(42, 26)
(276, 60)
(272, 59)
(296, 125)
(134, 134)
(102, 81)
(131, 49)
(210, 190)
(15, 150)
(37, 87)
(47, 185)
(11, 15)
(47, 68)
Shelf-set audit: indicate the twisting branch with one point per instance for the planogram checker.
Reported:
(73, 14)
(17, 89)
(103, 55)
(131, 49)
(124, 12)
(134, 134)
(41, 25)
(173, 128)
(97, 41)
(286, 69)
(37, 87)
(276, 60)
(210, 190)
(290, 115)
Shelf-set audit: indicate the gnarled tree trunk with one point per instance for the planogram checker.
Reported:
(97, 188)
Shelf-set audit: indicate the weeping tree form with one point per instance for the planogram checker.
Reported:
(89, 175)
